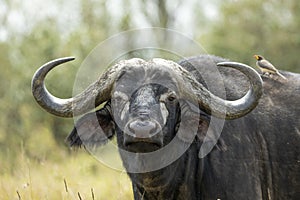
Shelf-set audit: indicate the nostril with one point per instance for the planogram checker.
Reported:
(143, 115)
(143, 129)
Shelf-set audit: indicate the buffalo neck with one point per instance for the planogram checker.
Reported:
(176, 181)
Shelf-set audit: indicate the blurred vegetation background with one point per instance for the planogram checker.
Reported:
(35, 163)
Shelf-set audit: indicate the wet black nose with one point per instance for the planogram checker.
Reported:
(143, 133)
(142, 129)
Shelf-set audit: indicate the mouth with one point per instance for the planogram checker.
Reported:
(143, 145)
(139, 143)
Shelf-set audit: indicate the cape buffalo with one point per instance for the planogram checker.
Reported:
(151, 105)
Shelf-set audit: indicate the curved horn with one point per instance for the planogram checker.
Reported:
(210, 103)
(221, 108)
(94, 95)
(244, 105)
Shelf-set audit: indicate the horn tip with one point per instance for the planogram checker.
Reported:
(69, 58)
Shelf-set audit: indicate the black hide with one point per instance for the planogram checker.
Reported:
(257, 157)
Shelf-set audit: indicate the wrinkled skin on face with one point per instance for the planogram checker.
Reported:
(145, 123)
(144, 113)
(142, 106)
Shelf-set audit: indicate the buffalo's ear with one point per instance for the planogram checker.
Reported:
(93, 129)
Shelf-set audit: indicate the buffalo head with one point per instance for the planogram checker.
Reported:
(145, 102)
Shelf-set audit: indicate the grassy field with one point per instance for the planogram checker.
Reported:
(69, 176)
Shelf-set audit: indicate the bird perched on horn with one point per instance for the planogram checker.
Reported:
(266, 67)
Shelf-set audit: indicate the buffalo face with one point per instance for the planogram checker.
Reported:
(147, 119)
(143, 113)
(145, 109)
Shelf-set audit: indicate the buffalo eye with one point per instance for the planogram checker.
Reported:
(168, 97)
(172, 96)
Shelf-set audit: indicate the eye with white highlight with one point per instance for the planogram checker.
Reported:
(170, 96)
(167, 97)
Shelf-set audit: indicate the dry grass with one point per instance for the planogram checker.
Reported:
(76, 176)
